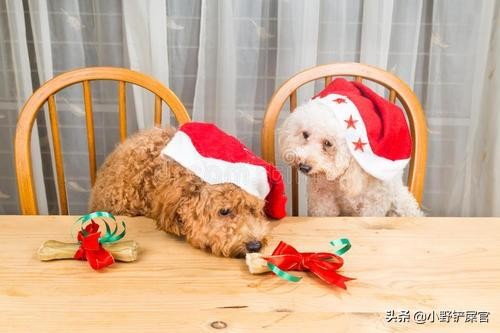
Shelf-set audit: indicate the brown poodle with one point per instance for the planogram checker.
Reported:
(137, 180)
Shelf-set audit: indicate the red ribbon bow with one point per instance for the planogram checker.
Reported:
(90, 248)
(322, 264)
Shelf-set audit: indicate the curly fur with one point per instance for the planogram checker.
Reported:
(136, 179)
(337, 185)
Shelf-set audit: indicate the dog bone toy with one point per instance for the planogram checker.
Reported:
(256, 263)
(125, 251)
(100, 248)
(286, 258)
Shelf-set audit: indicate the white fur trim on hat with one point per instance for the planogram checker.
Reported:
(249, 177)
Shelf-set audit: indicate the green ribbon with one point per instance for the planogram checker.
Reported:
(282, 274)
(109, 236)
(344, 244)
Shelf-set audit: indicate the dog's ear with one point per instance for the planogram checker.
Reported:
(354, 180)
(170, 201)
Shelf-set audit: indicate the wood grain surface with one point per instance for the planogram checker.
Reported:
(426, 264)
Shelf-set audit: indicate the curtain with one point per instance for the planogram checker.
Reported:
(15, 89)
(145, 24)
(224, 59)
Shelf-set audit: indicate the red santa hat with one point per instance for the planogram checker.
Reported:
(376, 130)
(217, 158)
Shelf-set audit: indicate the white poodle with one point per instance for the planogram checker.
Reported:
(315, 142)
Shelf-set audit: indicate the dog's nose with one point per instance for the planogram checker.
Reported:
(304, 168)
(253, 246)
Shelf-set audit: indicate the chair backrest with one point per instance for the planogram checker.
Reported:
(397, 90)
(45, 94)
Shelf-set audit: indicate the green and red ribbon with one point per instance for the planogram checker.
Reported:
(322, 264)
(91, 241)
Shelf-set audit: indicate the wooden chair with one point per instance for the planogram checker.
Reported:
(397, 90)
(45, 94)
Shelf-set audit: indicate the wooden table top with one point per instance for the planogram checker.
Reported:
(401, 264)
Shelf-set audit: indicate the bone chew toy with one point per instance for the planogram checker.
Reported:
(285, 257)
(256, 264)
(122, 251)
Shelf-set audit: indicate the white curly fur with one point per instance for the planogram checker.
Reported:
(337, 185)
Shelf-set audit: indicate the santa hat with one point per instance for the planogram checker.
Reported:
(376, 130)
(217, 158)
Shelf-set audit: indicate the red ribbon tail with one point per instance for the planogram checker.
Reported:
(341, 280)
(99, 259)
(80, 254)
(331, 277)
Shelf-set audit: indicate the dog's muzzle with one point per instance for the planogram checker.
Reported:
(304, 168)
(253, 246)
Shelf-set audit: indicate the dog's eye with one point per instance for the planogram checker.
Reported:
(327, 143)
(224, 212)
(305, 134)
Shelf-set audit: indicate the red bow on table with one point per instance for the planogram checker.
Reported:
(322, 264)
(90, 248)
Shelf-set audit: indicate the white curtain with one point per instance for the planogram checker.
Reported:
(215, 91)
(224, 59)
(145, 24)
(16, 87)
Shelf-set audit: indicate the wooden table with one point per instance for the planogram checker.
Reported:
(426, 264)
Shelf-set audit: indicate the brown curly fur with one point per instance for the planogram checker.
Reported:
(136, 179)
